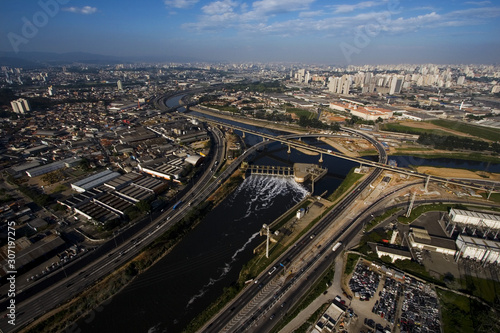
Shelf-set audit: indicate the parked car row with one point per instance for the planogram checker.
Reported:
(388, 303)
(364, 282)
(420, 309)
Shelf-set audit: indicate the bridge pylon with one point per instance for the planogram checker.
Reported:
(427, 183)
(321, 158)
(289, 151)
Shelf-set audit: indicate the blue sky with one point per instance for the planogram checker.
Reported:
(314, 31)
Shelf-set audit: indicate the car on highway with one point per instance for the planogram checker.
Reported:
(272, 270)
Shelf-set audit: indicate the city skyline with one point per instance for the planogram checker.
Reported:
(308, 31)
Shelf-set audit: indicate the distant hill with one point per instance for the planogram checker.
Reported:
(43, 59)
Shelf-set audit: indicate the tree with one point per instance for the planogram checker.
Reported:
(143, 206)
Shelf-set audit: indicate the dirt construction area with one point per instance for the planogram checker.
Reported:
(458, 173)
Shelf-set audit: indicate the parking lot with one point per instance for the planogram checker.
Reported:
(420, 308)
(407, 302)
(364, 282)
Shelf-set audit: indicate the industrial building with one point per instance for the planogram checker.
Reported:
(170, 169)
(475, 218)
(97, 213)
(29, 254)
(479, 249)
(474, 221)
(94, 180)
(195, 160)
(81, 198)
(114, 203)
(393, 253)
(421, 240)
(110, 200)
(122, 181)
(331, 317)
(41, 170)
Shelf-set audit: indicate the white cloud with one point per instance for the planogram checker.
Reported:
(478, 3)
(311, 13)
(219, 7)
(81, 10)
(291, 18)
(265, 7)
(180, 3)
(361, 5)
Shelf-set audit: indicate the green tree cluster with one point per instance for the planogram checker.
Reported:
(451, 142)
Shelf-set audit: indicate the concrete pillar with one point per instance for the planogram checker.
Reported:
(489, 193)
(289, 149)
(267, 243)
(452, 230)
(320, 157)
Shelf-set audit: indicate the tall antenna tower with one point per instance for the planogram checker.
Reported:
(265, 226)
(411, 204)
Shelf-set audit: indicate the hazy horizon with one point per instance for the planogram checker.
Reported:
(308, 31)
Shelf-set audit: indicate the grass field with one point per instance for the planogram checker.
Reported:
(352, 259)
(300, 112)
(495, 197)
(455, 311)
(416, 212)
(474, 130)
(349, 181)
(481, 157)
(392, 127)
(487, 290)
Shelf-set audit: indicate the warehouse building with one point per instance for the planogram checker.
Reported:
(41, 170)
(421, 240)
(94, 180)
(80, 198)
(96, 213)
(142, 189)
(168, 169)
(392, 252)
(113, 203)
(122, 181)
